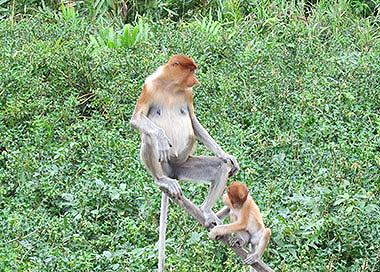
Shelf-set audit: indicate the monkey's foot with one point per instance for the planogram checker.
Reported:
(237, 242)
(169, 185)
(251, 258)
(211, 220)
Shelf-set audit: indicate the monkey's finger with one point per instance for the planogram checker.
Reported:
(218, 237)
(234, 162)
(232, 172)
(163, 158)
(236, 242)
(171, 190)
(178, 189)
(160, 157)
(250, 260)
(174, 190)
(165, 155)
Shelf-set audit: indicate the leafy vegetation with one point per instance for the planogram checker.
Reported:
(295, 99)
(130, 36)
(128, 10)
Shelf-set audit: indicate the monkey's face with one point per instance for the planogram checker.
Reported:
(182, 71)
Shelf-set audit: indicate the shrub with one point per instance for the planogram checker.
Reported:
(295, 100)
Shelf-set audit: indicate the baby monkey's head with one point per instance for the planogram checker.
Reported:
(236, 195)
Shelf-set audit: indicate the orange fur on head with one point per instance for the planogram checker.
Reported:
(183, 67)
(183, 61)
(237, 193)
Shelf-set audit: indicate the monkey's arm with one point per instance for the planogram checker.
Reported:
(139, 120)
(239, 225)
(143, 124)
(227, 229)
(203, 136)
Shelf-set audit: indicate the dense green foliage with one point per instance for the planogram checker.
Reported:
(127, 10)
(296, 102)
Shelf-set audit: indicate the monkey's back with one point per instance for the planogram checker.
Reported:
(255, 223)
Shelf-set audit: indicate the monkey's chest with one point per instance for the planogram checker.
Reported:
(235, 213)
(177, 125)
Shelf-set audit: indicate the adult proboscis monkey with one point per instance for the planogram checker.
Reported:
(164, 115)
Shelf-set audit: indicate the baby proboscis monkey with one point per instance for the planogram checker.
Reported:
(246, 221)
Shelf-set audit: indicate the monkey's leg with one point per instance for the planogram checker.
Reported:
(213, 170)
(162, 234)
(260, 246)
(150, 159)
(264, 240)
(223, 212)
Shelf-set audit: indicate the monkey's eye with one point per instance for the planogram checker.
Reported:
(175, 63)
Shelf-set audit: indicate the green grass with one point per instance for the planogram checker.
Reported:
(296, 102)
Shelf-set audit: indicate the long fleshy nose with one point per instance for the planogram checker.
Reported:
(192, 81)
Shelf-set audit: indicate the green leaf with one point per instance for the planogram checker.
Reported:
(134, 35)
(107, 254)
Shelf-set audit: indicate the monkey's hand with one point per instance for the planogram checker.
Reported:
(232, 160)
(215, 233)
(251, 258)
(169, 185)
(162, 145)
(211, 219)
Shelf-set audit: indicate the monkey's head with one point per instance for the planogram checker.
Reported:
(237, 194)
(181, 70)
